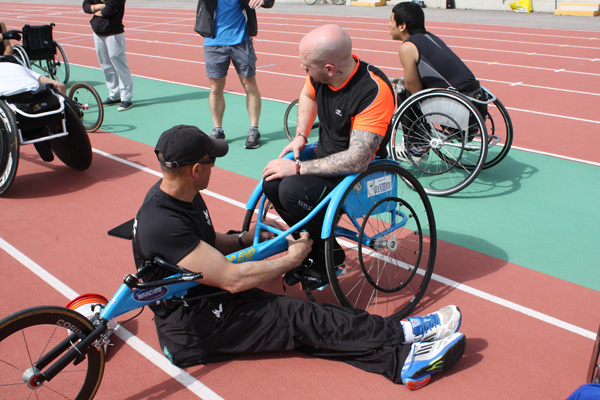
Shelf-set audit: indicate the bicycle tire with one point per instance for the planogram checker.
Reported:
(90, 105)
(388, 274)
(27, 335)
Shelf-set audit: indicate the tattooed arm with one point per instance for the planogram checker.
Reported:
(363, 145)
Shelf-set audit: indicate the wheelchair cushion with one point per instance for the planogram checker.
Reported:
(38, 42)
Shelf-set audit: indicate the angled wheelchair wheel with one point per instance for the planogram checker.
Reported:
(381, 253)
(89, 105)
(9, 147)
(21, 55)
(500, 133)
(58, 67)
(439, 137)
(75, 149)
(251, 215)
(27, 336)
(290, 121)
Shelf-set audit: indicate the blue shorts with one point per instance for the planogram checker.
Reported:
(218, 58)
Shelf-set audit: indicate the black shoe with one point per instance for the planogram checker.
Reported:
(125, 105)
(217, 133)
(111, 102)
(253, 140)
(313, 273)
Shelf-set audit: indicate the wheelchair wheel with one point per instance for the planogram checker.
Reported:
(386, 229)
(500, 133)
(29, 335)
(290, 121)
(75, 149)
(21, 55)
(339, 2)
(9, 147)
(311, 2)
(58, 67)
(448, 131)
(90, 105)
(252, 215)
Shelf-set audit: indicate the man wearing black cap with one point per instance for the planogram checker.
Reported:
(174, 223)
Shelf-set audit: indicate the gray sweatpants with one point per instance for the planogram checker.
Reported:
(112, 57)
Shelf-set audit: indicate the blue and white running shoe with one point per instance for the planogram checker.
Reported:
(437, 325)
(428, 358)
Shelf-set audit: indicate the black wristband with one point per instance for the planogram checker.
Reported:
(240, 236)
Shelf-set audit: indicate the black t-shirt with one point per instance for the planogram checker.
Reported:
(439, 66)
(170, 228)
(365, 102)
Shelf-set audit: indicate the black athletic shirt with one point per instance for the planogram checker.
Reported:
(364, 102)
(439, 66)
(167, 227)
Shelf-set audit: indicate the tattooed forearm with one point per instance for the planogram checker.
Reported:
(363, 146)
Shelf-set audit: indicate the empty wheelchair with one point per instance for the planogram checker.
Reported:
(49, 121)
(445, 141)
(39, 51)
(383, 221)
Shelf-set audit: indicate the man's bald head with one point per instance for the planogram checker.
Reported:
(328, 44)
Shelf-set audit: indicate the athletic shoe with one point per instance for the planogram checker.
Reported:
(217, 133)
(436, 325)
(412, 156)
(111, 102)
(428, 358)
(125, 105)
(253, 140)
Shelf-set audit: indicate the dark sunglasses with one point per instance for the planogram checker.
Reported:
(209, 161)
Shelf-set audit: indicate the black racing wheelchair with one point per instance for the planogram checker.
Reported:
(51, 122)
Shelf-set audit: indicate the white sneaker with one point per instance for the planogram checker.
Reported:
(428, 358)
(409, 156)
(436, 325)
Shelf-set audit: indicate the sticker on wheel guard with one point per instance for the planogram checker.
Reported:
(379, 185)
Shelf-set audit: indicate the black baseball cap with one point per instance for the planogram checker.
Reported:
(185, 144)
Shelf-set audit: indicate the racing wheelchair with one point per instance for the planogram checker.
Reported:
(449, 126)
(40, 52)
(382, 218)
(49, 121)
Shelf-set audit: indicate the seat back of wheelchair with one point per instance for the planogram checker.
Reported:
(38, 42)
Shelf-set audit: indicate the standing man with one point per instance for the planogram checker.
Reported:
(228, 27)
(355, 103)
(109, 38)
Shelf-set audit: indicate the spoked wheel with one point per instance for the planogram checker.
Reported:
(29, 335)
(444, 134)
(89, 104)
(58, 67)
(252, 215)
(339, 2)
(500, 133)
(21, 55)
(386, 229)
(75, 149)
(9, 147)
(290, 121)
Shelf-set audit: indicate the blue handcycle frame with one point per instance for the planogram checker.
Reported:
(127, 298)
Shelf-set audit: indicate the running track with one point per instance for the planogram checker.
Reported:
(529, 321)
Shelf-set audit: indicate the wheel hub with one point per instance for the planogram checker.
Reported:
(30, 377)
(437, 143)
(391, 244)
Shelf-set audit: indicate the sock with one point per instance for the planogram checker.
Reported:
(409, 337)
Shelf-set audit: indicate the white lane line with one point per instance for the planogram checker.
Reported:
(156, 358)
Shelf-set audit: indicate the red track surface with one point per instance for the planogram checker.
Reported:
(58, 218)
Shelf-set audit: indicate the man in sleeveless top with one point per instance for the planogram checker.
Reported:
(427, 61)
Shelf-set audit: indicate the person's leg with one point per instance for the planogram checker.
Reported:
(118, 57)
(110, 73)
(216, 61)
(253, 99)
(216, 100)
